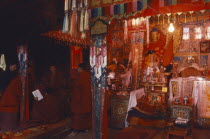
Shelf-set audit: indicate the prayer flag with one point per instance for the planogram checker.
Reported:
(125, 7)
(161, 3)
(140, 5)
(122, 8)
(99, 11)
(145, 4)
(94, 12)
(166, 3)
(89, 12)
(134, 6)
(117, 9)
(174, 2)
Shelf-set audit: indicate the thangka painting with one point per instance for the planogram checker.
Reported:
(118, 48)
(192, 35)
(137, 47)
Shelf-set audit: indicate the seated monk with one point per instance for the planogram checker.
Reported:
(81, 101)
(11, 98)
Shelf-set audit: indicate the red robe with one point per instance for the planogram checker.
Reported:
(51, 108)
(9, 105)
(10, 101)
(81, 102)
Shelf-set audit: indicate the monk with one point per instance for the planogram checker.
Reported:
(11, 99)
(81, 101)
(51, 108)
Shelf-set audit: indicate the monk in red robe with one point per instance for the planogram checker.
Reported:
(11, 99)
(51, 108)
(81, 101)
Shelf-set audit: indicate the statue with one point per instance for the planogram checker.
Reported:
(155, 47)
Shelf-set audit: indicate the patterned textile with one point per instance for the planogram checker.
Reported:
(201, 92)
(180, 87)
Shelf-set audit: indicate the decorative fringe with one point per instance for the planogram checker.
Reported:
(80, 5)
(81, 29)
(66, 23)
(66, 5)
(74, 4)
(73, 28)
(86, 22)
(69, 4)
(86, 3)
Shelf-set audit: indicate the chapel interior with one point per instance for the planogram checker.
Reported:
(105, 69)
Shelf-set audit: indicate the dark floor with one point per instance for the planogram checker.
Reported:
(197, 133)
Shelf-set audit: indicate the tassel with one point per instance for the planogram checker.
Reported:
(66, 24)
(80, 5)
(81, 21)
(73, 4)
(66, 8)
(73, 31)
(86, 3)
(86, 22)
(69, 4)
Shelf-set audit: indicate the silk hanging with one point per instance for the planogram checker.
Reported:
(137, 47)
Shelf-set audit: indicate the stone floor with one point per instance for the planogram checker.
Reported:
(197, 134)
(87, 135)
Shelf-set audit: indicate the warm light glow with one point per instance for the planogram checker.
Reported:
(171, 27)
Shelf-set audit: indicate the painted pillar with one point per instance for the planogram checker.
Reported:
(98, 63)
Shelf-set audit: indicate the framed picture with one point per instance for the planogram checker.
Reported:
(205, 47)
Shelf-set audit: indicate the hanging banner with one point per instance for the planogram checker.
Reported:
(137, 47)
